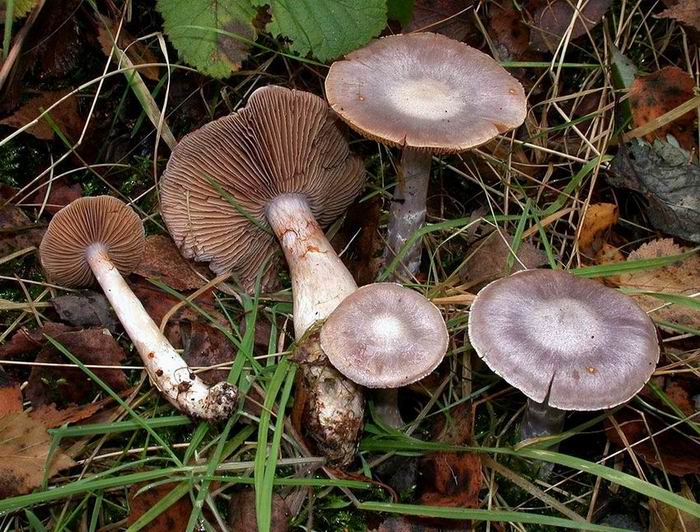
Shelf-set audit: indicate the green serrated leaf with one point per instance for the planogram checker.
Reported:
(326, 28)
(20, 8)
(211, 35)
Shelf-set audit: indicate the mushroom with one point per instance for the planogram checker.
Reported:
(278, 167)
(428, 94)
(101, 238)
(385, 336)
(567, 343)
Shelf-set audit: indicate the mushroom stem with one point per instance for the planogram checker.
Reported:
(541, 420)
(386, 402)
(407, 213)
(320, 280)
(166, 368)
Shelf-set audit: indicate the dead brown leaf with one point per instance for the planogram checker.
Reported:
(162, 261)
(487, 259)
(52, 417)
(682, 277)
(242, 512)
(60, 195)
(595, 228)
(666, 518)
(17, 231)
(657, 93)
(685, 11)
(58, 46)
(66, 385)
(449, 17)
(364, 257)
(206, 346)
(509, 33)
(25, 341)
(85, 309)
(10, 395)
(24, 447)
(65, 115)
(551, 21)
(136, 51)
(677, 454)
(172, 519)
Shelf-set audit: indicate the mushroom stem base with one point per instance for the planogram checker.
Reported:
(541, 420)
(320, 280)
(407, 213)
(166, 368)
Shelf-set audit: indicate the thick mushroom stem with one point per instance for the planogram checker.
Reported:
(541, 420)
(166, 368)
(320, 280)
(386, 402)
(407, 213)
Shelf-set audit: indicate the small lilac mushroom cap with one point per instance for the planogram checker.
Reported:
(385, 336)
(425, 91)
(91, 221)
(572, 342)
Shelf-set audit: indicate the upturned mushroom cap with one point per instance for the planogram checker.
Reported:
(572, 341)
(283, 141)
(385, 336)
(425, 91)
(98, 220)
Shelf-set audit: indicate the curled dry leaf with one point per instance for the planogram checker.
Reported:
(242, 512)
(172, 519)
(136, 51)
(551, 21)
(669, 182)
(25, 449)
(17, 231)
(677, 454)
(25, 341)
(162, 261)
(657, 93)
(685, 11)
(85, 309)
(682, 277)
(64, 385)
(52, 417)
(595, 228)
(65, 115)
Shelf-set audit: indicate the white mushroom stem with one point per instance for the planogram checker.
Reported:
(407, 213)
(166, 368)
(541, 420)
(320, 280)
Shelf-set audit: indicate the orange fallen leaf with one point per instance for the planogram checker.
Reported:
(655, 94)
(682, 278)
(172, 519)
(665, 518)
(595, 228)
(242, 512)
(162, 261)
(10, 395)
(65, 115)
(24, 446)
(508, 32)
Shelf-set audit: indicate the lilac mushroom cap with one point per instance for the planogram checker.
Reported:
(385, 336)
(570, 341)
(425, 91)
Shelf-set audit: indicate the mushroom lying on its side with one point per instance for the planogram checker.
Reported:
(424, 93)
(101, 238)
(567, 343)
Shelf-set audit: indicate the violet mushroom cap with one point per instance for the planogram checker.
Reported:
(385, 336)
(101, 238)
(573, 342)
(425, 91)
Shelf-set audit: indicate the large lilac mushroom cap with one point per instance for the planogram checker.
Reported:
(425, 91)
(385, 336)
(570, 341)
